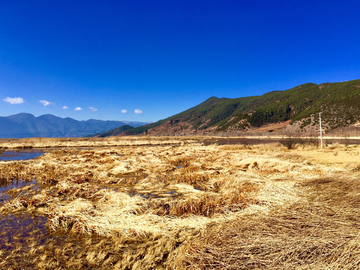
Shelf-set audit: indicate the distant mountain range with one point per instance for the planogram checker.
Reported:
(298, 106)
(25, 125)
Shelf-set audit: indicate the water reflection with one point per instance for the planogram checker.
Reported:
(19, 155)
(25, 240)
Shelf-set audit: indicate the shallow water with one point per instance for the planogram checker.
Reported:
(18, 228)
(20, 231)
(24, 236)
(5, 188)
(19, 155)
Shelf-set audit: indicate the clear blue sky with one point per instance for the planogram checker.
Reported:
(163, 57)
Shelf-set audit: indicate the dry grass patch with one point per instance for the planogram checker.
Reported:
(29, 143)
(296, 238)
(319, 231)
(189, 206)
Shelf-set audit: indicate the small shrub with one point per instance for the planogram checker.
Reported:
(311, 141)
(290, 142)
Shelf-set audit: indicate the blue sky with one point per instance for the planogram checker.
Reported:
(163, 57)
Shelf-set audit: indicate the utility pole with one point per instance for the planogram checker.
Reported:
(320, 130)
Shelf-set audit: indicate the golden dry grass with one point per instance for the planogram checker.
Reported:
(27, 143)
(320, 231)
(190, 206)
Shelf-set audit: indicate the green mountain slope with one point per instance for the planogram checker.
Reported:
(339, 102)
(115, 131)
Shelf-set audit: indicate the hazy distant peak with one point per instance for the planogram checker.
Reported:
(27, 125)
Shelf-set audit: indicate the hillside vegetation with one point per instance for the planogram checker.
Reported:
(115, 131)
(339, 103)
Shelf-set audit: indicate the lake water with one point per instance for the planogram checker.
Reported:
(20, 155)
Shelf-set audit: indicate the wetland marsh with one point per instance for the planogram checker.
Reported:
(179, 204)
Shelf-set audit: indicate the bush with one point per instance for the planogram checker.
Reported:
(311, 141)
(290, 142)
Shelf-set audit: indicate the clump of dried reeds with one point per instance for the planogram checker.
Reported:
(22, 202)
(72, 190)
(15, 205)
(208, 203)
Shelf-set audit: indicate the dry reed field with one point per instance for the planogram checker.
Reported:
(91, 142)
(165, 203)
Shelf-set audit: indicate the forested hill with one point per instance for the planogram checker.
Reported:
(115, 131)
(339, 102)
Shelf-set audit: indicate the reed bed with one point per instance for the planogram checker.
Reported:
(290, 239)
(319, 231)
(29, 143)
(187, 206)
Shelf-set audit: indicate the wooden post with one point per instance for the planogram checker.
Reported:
(321, 138)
